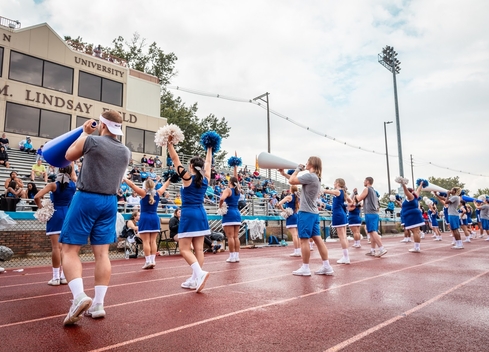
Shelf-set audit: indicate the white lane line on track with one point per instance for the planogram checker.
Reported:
(165, 332)
(377, 327)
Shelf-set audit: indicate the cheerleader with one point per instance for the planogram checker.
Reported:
(452, 203)
(464, 222)
(149, 221)
(354, 222)
(412, 216)
(433, 214)
(484, 214)
(193, 224)
(291, 201)
(339, 220)
(231, 220)
(61, 192)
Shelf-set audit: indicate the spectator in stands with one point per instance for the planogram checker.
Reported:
(157, 161)
(135, 174)
(158, 182)
(152, 175)
(144, 174)
(121, 198)
(213, 176)
(390, 208)
(173, 224)
(28, 148)
(144, 160)
(124, 188)
(22, 142)
(39, 171)
(13, 190)
(178, 200)
(167, 203)
(16, 178)
(39, 153)
(53, 172)
(132, 223)
(31, 193)
(133, 200)
(151, 162)
(4, 157)
(4, 141)
(256, 174)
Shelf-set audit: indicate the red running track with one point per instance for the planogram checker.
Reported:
(429, 301)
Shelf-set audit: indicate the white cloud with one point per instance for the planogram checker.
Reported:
(318, 60)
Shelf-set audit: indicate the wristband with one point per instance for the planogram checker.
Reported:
(84, 134)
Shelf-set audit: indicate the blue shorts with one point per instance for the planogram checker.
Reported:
(90, 215)
(454, 222)
(372, 222)
(308, 224)
(464, 221)
(485, 224)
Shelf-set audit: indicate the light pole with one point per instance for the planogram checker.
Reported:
(260, 97)
(388, 59)
(387, 157)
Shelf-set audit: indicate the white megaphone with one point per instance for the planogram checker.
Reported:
(434, 188)
(270, 161)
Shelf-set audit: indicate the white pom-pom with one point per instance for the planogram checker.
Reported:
(286, 213)
(46, 212)
(392, 198)
(482, 197)
(164, 133)
(428, 202)
(425, 199)
(401, 180)
(223, 210)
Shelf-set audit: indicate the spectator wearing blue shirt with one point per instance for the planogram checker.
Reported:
(390, 208)
(151, 174)
(144, 174)
(28, 148)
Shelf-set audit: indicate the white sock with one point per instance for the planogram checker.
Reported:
(345, 253)
(62, 273)
(417, 245)
(76, 286)
(56, 273)
(459, 243)
(381, 248)
(326, 263)
(148, 258)
(236, 255)
(153, 258)
(305, 266)
(100, 292)
(197, 270)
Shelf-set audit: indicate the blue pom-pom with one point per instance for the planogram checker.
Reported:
(212, 140)
(290, 172)
(398, 197)
(443, 194)
(434, 200)
(462, 193)
(425, 183)
(234, 161)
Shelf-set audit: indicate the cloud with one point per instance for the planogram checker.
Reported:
(318, 61)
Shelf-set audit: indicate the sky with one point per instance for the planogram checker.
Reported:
(318, 60)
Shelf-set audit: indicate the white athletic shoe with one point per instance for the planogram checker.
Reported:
(231, 260)
(404, 240)
(302, 272)
(189, 284)
(295, 255)
(79, 305)
(325, 271)
(457, 247)
(95, 311)
(201, 280)
(415, 250)
(467, 240)
(54, 282)
(343, 260)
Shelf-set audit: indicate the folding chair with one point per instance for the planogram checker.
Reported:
(168, 242)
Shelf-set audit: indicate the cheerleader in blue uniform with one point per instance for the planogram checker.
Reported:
(61, 193)
(231, 221)
(291, 201)
(433, 214)
(339, 216)
(193, 224)
(464, 221)
(149, 221)
(355, 222)
(412, 216)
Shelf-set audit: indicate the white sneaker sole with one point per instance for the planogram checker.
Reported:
(83, 305)
(203, 280)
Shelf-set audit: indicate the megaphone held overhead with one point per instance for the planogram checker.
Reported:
(470, 199)
(270, 161)
(434, 188)
(54, 150)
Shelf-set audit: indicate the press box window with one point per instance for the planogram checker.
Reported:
(100, 89)
(31, 70)
(1, 61)
(141, 141)
(30, 121)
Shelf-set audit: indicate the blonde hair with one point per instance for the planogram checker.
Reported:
(316, 164)
(112, 115)
(150, 185)
(342, 185)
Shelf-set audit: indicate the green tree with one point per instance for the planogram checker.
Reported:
(481, 191)
(154, 61)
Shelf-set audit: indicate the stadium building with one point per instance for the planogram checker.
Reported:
(49, 86)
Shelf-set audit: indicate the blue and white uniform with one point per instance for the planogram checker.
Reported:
(233, 216)
(433, 218)
(291, 221)
(149, 220)
(193, 220)
(354, 218)
(411, 214)
(61, 202)
(339, 210)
